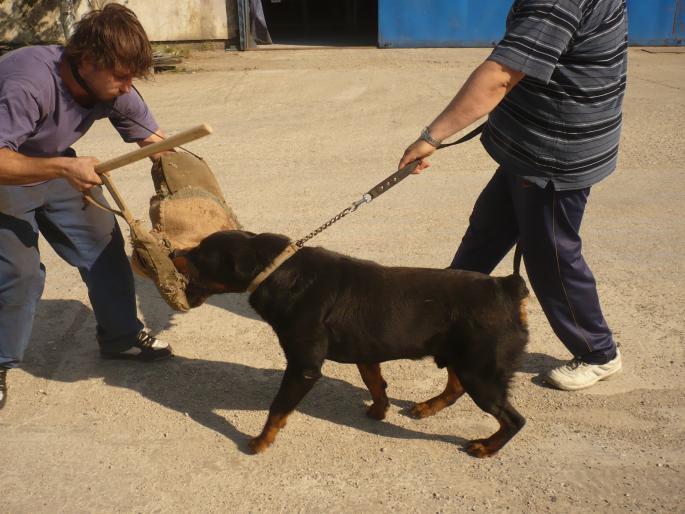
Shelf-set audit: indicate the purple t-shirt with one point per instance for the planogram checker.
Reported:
(40, 118)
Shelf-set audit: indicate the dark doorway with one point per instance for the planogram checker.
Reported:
(322, 22)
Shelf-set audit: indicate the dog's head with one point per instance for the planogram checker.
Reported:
(226, 262)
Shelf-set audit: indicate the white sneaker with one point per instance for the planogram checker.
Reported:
(577, 374)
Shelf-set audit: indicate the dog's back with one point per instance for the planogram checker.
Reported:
(374, 313)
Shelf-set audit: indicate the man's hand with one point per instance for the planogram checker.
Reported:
(80, 172)
(419, 149)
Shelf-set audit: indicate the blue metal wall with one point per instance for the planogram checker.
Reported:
(656, 22)
(441, 23)
(453, 23)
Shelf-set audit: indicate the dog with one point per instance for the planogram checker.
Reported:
(325, 305)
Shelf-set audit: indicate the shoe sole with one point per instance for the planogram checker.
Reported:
(584, 386)
(139, 357)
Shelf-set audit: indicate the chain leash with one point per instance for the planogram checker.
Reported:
(300, 243)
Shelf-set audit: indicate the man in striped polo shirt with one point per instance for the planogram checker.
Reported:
(553, 90)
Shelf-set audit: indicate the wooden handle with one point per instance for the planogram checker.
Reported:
(160, 146)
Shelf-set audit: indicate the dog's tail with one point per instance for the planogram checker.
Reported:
(517, 258)
(514, 284)
(516, 288)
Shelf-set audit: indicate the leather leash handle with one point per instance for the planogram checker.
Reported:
(392, 180)
(403, 173)
(465, 138)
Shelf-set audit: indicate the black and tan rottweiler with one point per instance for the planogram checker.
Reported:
(324, 305)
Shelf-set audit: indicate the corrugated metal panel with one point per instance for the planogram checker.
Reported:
(441, 23)
(656, 22)
(453, 23)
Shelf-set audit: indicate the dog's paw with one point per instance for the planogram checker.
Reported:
(377, 411)
(479, 448)
(258, 445)
(422, 410)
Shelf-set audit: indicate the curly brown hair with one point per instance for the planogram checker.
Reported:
(113, 38)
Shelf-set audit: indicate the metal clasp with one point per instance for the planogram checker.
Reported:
(364, 199)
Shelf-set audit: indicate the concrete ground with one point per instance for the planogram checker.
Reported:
(298, 136)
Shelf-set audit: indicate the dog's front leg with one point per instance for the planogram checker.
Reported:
(371, 375)
(296, 383)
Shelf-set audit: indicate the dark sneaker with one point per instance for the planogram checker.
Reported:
(3, 386)
(146, 348)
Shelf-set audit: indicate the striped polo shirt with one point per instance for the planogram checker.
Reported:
(562, 121)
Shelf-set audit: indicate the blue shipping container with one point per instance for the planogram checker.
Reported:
(473, 23)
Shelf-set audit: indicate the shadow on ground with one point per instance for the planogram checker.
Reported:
(200, 387)
(159, 316)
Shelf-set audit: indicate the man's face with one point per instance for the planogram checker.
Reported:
(106, 84)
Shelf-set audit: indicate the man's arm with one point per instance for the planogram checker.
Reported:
(159, 135)
(20, 114)
(18, 169)
(480, 94)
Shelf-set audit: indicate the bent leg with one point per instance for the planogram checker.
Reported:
(89, 238)
(453, 390)
(510, 422)
(490, 392)
(371, 375)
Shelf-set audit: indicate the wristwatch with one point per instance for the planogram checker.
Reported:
(425, 136)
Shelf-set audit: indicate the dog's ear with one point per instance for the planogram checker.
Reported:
(244, 263)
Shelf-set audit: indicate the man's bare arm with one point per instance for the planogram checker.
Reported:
(480, 94)
(18, 169)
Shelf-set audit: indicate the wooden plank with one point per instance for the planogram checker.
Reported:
(161, 146)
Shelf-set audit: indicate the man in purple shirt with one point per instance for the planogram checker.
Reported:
(49, 98)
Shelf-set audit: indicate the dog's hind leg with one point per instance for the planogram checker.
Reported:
(371, 375)
(453, 390)
(296, 384)
(491, 396)
(510, 422)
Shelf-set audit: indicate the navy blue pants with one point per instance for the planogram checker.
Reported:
(547, 222)
(88, 238)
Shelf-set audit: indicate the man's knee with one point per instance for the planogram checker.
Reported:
(21, 281)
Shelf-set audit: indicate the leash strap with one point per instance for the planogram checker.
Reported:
(465, 138)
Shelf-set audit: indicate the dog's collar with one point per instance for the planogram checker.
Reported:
(275, 264)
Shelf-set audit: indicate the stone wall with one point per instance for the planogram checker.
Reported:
(43, 21)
